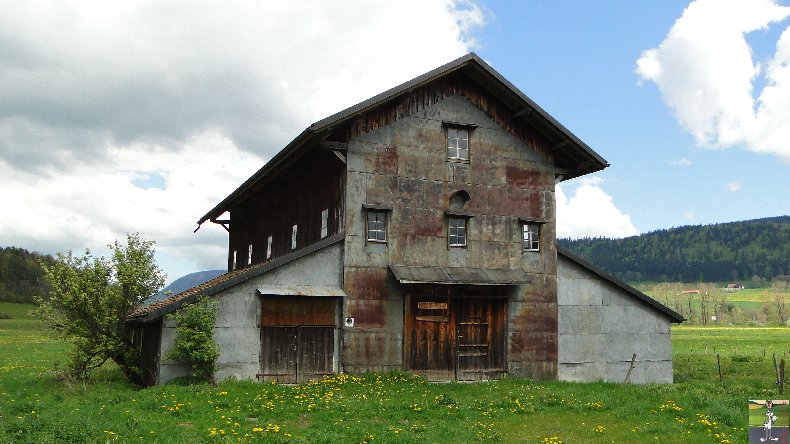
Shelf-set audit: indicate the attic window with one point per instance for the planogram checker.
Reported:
(458, 143)
(294, 230)
(269, 247)
(249, 254)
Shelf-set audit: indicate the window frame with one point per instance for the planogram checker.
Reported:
(530, 239)
(456, 156)
(381, 226)
(463, 226)
(450, 127)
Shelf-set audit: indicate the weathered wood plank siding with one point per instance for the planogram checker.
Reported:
(303, 190)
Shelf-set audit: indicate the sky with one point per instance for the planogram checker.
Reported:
(122, 117)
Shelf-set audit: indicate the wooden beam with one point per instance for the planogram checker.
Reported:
(333, 146)
(340, 156)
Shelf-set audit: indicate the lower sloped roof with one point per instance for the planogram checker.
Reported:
(158, 309)
(673, 315)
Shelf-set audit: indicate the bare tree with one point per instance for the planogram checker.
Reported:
(779, 303)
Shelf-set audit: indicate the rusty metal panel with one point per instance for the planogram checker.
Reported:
(407, 274)
(301, 290)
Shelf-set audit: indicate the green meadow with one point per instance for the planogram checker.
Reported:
(388, 407)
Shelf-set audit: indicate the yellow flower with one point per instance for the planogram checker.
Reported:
(600, 429)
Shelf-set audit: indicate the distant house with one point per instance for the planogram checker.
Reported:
(734, 286)
(416, 231)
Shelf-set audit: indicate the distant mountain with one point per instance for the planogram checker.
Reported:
(185, 283)
(712, 253)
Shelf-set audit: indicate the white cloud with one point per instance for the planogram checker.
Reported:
(680, 162)
(120, 117)
(590, 212)
(706, 74)
(734, 186)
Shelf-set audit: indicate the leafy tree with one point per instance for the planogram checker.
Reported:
(194, 341)
(90, 299)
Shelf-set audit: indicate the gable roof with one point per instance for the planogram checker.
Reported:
(673, 316)
(151, 312)
(572, 156)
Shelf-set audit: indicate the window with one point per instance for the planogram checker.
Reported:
(324, 223)
(457, 232)
(531, 237)
(233, 267)
(293, 237)
(377, 226)
(269, 247)
(249, 254)
(457, 143)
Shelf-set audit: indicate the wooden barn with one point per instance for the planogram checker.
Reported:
(416, 231)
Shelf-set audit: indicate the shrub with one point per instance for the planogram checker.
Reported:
(194, 341)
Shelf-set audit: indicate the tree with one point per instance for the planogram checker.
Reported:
(91, 298)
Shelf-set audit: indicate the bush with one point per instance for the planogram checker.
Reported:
(195, 338)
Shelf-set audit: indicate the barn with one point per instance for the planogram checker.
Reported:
(416, 231)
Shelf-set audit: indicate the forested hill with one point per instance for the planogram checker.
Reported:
(21, 276)
(711, 253)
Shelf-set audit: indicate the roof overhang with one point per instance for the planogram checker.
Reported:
(301, 290)
(408, 274)
(573, 158)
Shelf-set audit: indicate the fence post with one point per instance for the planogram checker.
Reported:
(628, 375)
(718, 364)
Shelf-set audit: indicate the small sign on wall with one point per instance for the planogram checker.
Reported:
(349, 322)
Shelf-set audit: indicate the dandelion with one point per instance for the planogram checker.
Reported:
(600, 429)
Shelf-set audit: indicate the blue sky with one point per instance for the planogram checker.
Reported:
(577, 60)
(120, 117)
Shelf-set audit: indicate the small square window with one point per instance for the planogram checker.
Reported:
(457, 143)
(377, 226)
(269, 247)
(457, 232)
(324, 223)
(293, 237)
(531, 237)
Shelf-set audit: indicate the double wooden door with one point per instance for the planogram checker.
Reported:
(298, 336)
(456, 338)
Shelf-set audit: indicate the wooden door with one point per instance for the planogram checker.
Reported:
(480, 327)
(456, 338)
(297, 338)
(315, 350)
(432, 337)
(279, 347)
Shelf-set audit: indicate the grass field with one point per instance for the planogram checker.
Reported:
(388, 408)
